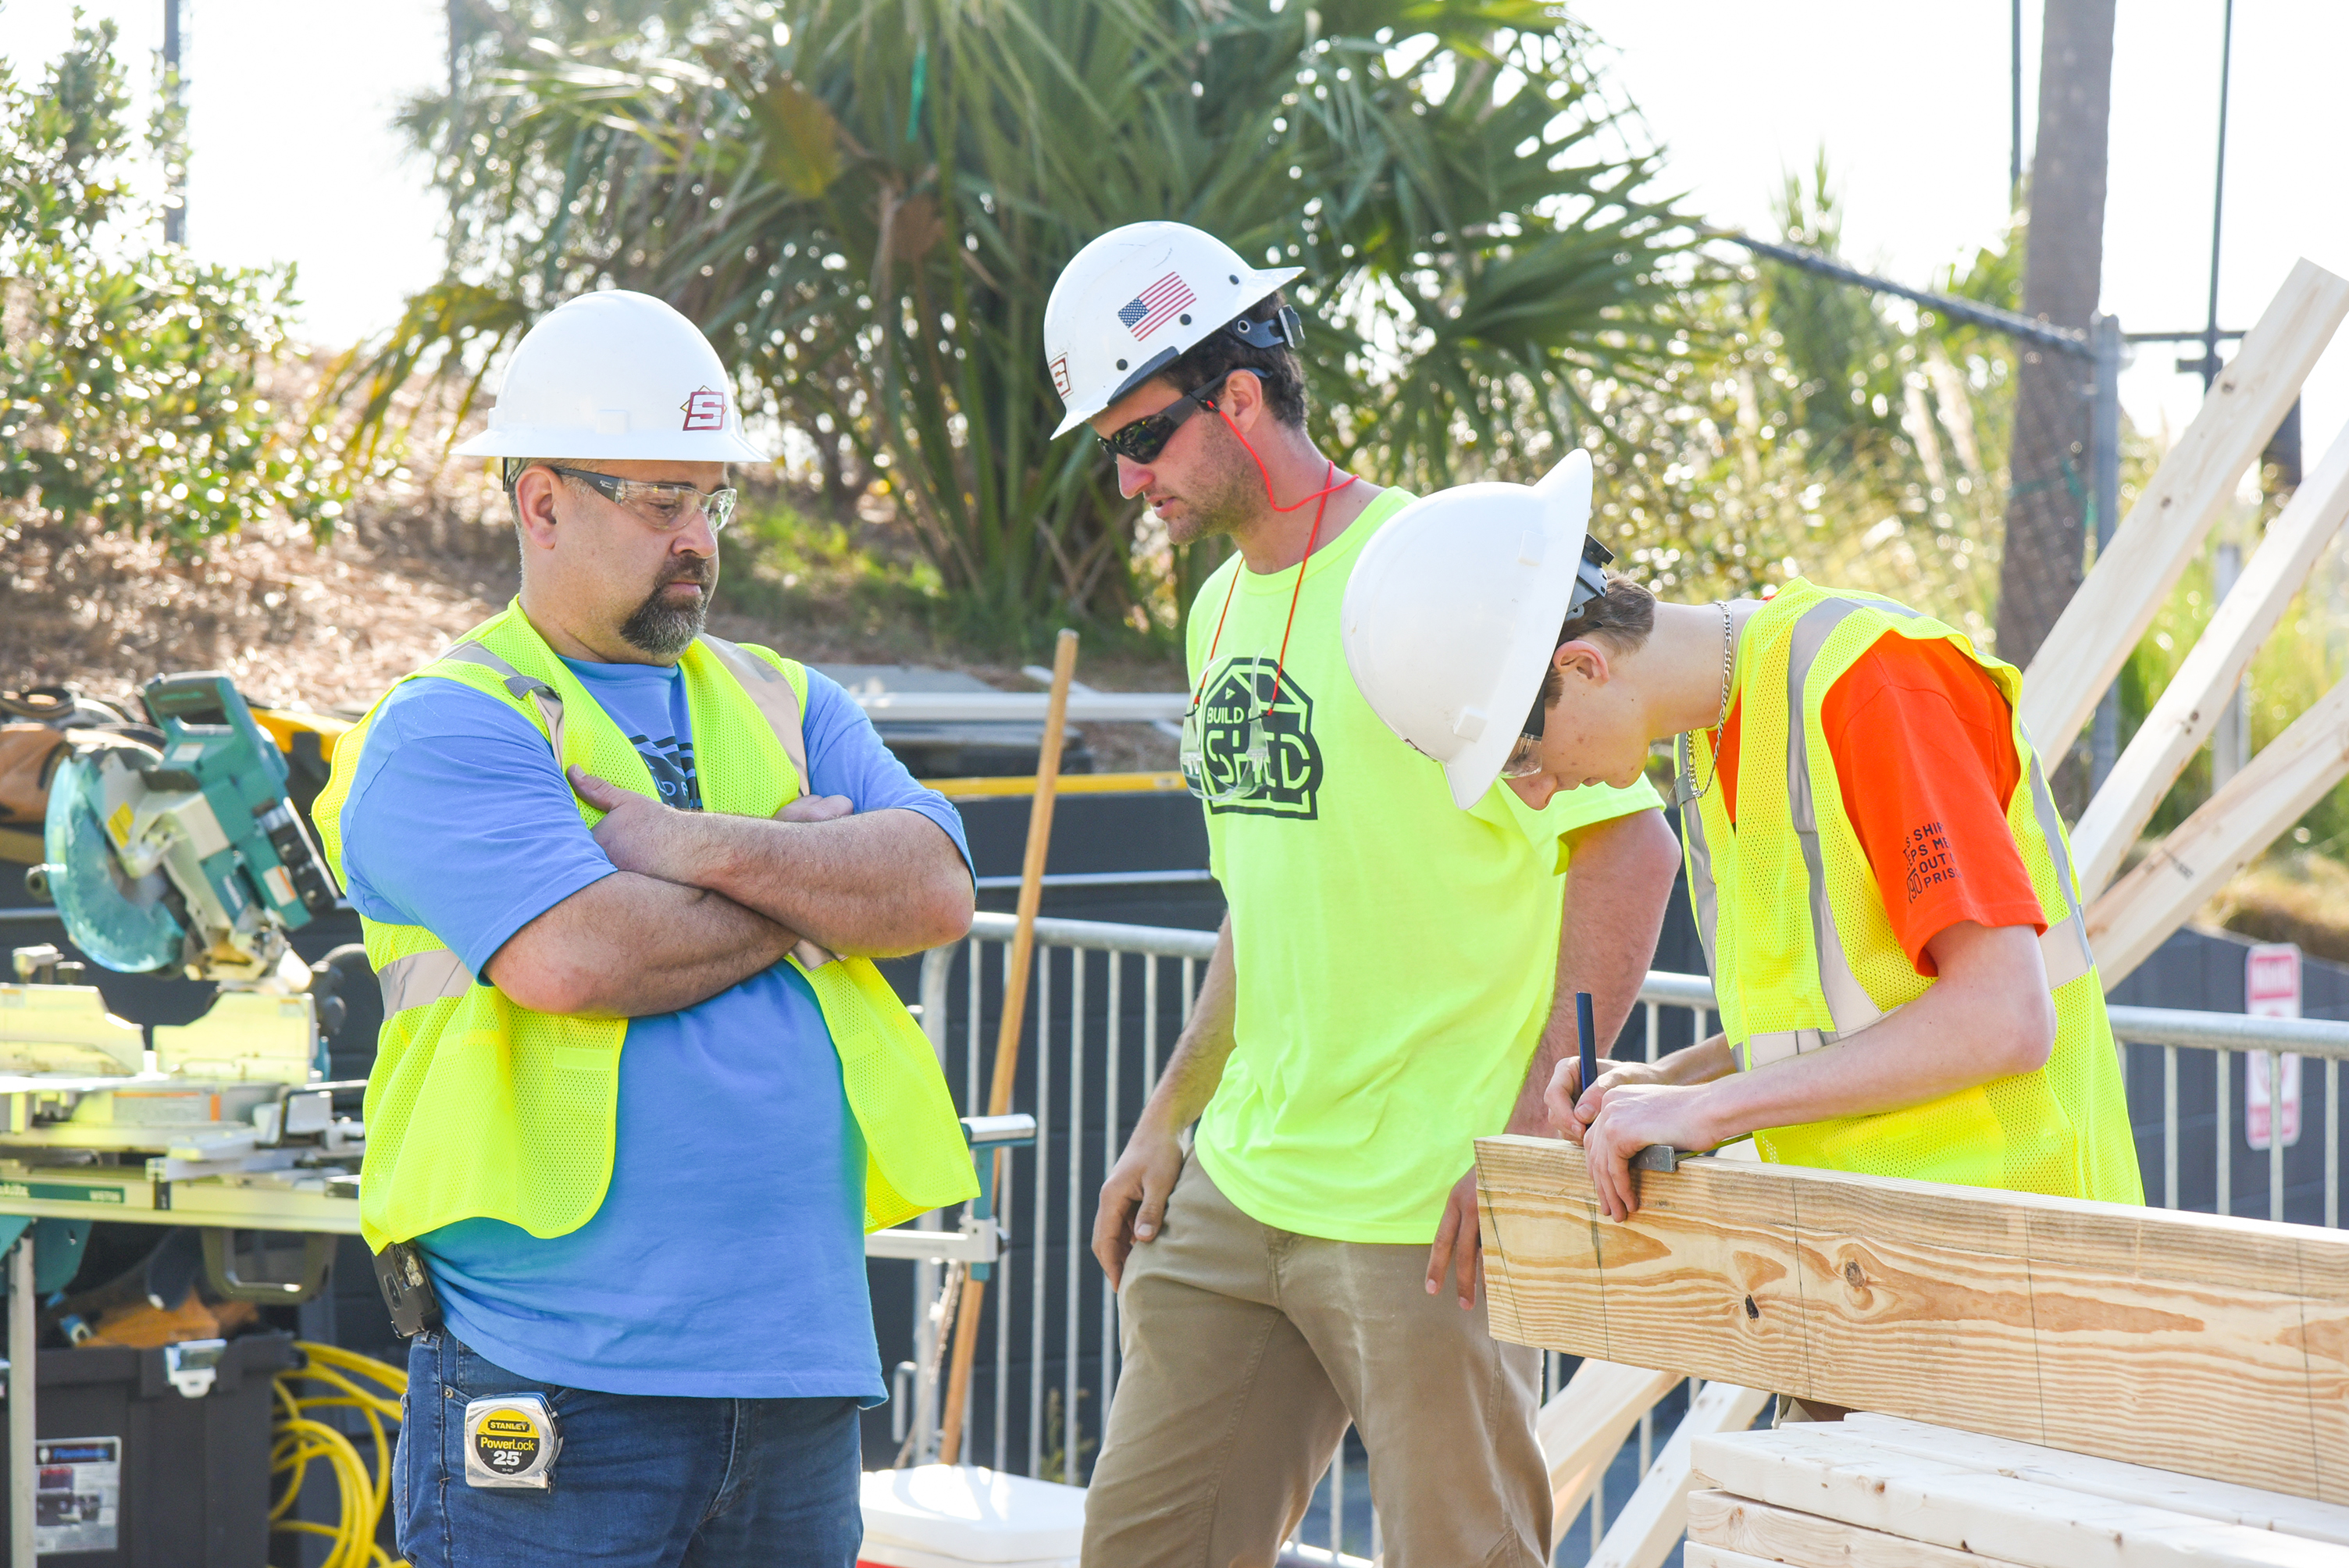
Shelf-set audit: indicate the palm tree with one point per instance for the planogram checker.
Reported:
(865, 202)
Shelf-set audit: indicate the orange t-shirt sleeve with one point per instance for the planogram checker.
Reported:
(1924, 749)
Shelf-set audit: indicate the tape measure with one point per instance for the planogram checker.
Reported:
(511, 1441)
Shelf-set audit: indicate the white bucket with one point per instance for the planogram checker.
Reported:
(951, 1516)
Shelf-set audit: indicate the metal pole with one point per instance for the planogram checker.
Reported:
(2231, 740)
(24, 1365)
(175, 205)
(2219, 197)
(2105, 336)
(2014, 155)
(2031, 329)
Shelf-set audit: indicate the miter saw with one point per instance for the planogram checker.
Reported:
(189, 858)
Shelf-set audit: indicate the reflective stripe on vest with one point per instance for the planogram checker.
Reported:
(763, 680)
(2062, 947)
(1797, 971)
(420, 979)
(537, 693)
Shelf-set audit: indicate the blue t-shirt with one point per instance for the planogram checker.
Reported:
(728, 1258)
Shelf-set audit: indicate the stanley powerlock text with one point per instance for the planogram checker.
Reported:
(510, 1439)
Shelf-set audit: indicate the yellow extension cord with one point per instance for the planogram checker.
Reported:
(297, 1438)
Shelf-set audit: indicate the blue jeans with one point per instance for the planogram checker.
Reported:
(644, 1482)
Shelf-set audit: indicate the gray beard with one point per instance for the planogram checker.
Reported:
(662, 629)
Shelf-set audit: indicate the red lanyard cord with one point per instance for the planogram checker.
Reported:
(1281, 661)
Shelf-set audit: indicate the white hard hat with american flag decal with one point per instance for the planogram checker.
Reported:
(1132, 302)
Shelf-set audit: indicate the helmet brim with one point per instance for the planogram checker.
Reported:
(648, 446)
(1566, 489)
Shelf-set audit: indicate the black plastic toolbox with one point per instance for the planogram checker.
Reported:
(137, 1474)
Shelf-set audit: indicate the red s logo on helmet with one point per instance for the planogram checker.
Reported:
(705, 410)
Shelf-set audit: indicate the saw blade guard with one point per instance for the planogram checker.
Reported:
(130, 923)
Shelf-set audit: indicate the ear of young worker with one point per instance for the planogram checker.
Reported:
(590, 845)
(1878, 873)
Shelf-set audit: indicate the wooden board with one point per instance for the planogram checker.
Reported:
(1586, 1422)
(2215, 1346)
(1721, 1557)
(2190, 705)
(1651, 1524)
(2133, 575)
(1812, 1469)
(2130, 921)
(1769, 1534)
(2225, 1502)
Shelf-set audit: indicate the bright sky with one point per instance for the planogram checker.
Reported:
(295, 158)
(1912, 103)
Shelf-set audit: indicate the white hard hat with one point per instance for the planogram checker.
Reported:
(1129, 303)
(1453, 609)
(616, 376)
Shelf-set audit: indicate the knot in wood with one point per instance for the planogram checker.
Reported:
(1752, 1310)
(1852, 1275)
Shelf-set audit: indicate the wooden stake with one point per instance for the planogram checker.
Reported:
(1015, 1009)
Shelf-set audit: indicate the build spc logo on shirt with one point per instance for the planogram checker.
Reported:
(1241, 692)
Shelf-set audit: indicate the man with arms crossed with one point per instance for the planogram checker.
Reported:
(631, 1119)
(1393, 979)
(1880, 878)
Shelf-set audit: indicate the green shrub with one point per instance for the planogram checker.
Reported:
(132, 377)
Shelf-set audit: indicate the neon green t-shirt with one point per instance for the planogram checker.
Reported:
(1396, 954)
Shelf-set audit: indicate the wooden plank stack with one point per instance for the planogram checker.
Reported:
(2215, 1348)
(1890, 1494)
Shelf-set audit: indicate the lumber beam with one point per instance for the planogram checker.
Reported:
(2189, 707)
(1586, 1422)
(1814, 1469)
(2131, 919)
(2135, 572)
(1723, 1557)
(2215, 1346)
(2224, 1501)
(1757, 1533)
(1651, 1524)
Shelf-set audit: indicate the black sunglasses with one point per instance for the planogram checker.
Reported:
(1147, 437)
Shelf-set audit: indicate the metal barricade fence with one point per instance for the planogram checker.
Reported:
(1108, 1004)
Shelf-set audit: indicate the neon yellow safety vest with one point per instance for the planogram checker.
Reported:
(480, 1108)
(1803, 953)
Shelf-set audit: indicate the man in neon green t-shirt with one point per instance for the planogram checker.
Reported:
(1387, 986)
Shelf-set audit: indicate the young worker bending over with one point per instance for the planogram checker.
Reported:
(1880, 876)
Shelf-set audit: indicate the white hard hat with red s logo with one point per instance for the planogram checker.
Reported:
(616, 375)
(1132, 302)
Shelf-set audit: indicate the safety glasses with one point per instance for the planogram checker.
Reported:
(1524, 756)
(1145, 439)
(660, 506)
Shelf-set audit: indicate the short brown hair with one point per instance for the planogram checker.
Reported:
(1619, 618)
(1278, 368)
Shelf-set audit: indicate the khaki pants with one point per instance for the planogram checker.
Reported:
(1247, 1349)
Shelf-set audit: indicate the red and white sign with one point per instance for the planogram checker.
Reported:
(2270, 990)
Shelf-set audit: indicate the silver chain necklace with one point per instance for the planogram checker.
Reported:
(1728, 660)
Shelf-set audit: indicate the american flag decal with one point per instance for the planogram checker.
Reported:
(1149, 310)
